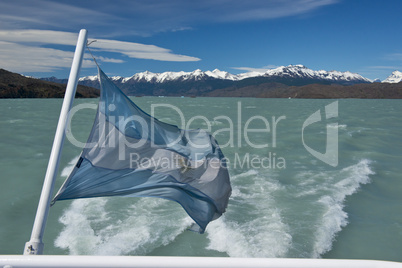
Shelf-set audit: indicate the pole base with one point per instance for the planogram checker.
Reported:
(33, 248)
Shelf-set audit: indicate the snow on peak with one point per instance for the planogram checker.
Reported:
(91, 78)
(302, 71)
(290, 71)
(221, 75)
(172, 76)
(395, 77)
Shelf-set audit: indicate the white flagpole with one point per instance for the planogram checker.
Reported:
(35, 244)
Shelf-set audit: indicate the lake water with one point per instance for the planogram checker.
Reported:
(289, 198)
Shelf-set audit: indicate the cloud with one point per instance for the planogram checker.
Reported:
(61, 14)
(252, 10)
(257, 70)
(23, 58)
(378, 71)
(394, 57)
(139, 51)
(138, 17)
(105, 59)
(384, 71)
(39, 36)
(38, 51)
(384, 67)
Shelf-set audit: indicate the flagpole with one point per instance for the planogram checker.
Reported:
(35, 245)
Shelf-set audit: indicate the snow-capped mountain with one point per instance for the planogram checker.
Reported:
(395, 77)
(291, 71)
(301, 71)
(172, 76)
(201, 83)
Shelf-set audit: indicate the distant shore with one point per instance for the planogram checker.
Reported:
(14, 85)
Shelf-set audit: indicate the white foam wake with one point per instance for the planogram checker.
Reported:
(323, 194)
(269, 215)
(252, 226)
(120, 226)
(334, 218)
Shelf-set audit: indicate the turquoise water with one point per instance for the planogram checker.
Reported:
(285, 201)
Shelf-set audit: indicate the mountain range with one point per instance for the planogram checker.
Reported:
(296, 81)
(291, 71)
(199, 83)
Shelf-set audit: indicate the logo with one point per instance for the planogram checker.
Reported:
(331, 149)
(245, 130)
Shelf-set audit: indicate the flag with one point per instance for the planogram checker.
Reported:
(131, 153)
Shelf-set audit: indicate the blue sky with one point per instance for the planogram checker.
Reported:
(37, 37)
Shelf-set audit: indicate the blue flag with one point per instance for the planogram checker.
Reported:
(130, 153)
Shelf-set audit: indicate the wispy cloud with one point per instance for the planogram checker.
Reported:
(252, 10)
(131, 17)
(25, 58)
(393, 57)
(51, 14)
(394, 67)
(140, 51)
(258, 70)
(39, 37)
(379, 71)
(391, 61)
(32, 51)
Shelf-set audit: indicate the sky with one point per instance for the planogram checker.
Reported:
(38, 37)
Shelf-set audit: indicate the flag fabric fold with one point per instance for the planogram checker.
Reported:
(131, 153)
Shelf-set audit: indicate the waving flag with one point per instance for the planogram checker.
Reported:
(130, 153)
